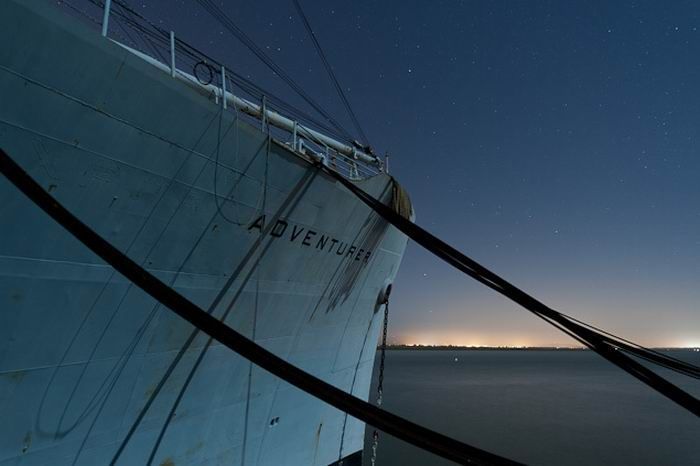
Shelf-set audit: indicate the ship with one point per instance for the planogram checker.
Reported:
(218, 195)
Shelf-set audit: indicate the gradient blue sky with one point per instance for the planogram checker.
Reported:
(554, 142)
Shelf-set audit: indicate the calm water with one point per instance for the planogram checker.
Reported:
(538, 407)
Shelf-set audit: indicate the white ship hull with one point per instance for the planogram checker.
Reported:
(289, 257)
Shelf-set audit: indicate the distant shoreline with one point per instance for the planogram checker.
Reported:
(504, 348)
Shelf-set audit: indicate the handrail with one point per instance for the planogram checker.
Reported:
(354, 152)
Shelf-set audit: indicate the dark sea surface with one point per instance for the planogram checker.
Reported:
(538, 407)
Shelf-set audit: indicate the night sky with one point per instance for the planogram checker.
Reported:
(555, 142)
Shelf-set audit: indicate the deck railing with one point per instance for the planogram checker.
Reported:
(221, 84)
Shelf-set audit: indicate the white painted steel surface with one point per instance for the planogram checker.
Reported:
(135, 154)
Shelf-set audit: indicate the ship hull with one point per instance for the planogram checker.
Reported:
(91, 368)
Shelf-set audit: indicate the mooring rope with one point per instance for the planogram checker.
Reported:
(401, 428)
(607, 345)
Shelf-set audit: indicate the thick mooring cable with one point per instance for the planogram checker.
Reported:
(401, 428)
(605, 344)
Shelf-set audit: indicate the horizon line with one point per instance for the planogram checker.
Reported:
(516, 347)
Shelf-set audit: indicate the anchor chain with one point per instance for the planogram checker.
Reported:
(380, 380)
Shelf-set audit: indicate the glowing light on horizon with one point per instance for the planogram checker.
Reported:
(434, 337)
(473, 341)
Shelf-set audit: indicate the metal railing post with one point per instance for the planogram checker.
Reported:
(294, 135)
(223, 86)
(354, 174)
(263, 112)
(105, 17)
(339, 151)
(172, 54)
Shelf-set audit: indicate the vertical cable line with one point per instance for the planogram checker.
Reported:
(392, 424)
(246, 417)
(249, 388)
(288, 203)
(92, 403)
(153, 312)
(352, 386)
(203, 352)
(329, 70)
